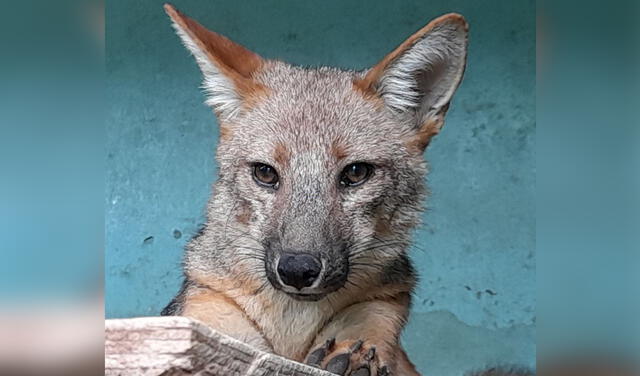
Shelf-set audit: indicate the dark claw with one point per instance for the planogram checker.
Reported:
(384, 371)
(316, 357)
(329, 343)
(356, 346)
(371, 354)
(339, 364)
(362, 371)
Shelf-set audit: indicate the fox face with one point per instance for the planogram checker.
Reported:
(321, 170)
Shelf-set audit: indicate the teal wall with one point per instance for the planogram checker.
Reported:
(475, 304)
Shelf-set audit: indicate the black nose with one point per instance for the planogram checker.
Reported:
(298, 269)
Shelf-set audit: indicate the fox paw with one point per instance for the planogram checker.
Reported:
(348, 358)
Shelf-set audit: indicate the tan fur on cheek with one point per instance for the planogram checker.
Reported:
(383, 227)
(382, 223)
(244, 213)
(242, 284)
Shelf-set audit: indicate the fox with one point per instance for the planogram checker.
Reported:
(321, 181)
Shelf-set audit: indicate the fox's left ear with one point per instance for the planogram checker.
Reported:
(418, 79)
(228, 68)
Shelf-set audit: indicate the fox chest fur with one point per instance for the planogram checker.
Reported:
(296, 324)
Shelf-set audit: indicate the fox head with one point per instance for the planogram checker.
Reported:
(321, 171)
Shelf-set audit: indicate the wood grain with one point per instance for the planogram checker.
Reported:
(177, 346)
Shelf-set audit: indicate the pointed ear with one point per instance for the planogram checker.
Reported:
(227, 67)
(419, 77)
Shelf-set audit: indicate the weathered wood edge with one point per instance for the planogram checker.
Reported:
(173, 346)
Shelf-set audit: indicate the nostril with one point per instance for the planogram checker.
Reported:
(311, 273)
(298, 270)
(282, 266)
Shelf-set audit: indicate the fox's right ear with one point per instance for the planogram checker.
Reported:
(417, 80)
(228, 68)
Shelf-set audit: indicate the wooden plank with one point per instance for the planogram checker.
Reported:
(177, 346)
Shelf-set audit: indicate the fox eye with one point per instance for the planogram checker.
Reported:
(265, 175)
(355, 174)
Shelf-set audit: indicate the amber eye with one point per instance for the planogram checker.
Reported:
(265, 175)
(355, 174)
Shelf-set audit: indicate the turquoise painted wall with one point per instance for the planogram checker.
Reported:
(475, 304)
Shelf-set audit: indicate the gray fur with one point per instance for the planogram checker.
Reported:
(309, 124)
(309, 111)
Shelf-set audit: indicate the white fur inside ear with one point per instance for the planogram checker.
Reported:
(220, 91)
(425, 76)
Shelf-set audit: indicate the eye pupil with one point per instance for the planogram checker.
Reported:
(356, 174)
(265, 175)
(357, 170)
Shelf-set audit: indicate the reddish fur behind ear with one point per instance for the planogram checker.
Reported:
(236, 62)
(367, 84)
(418, 143)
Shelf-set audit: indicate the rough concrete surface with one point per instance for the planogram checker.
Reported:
(475, 303)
